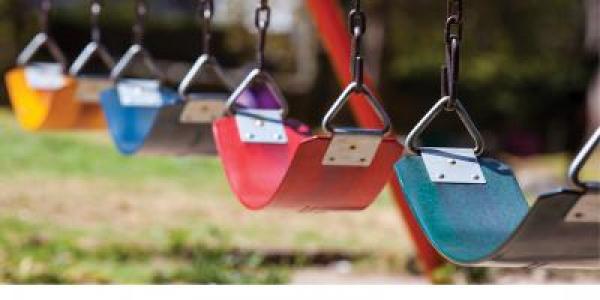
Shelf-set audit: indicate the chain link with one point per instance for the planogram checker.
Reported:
(141, 9)
(262, 20)
(453, 32)
(45, 7)
(358, 26)
(206, 12)
(95, 11)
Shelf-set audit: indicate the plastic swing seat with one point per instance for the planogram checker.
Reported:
(147, 118)
(273, 162)
(141, 112)
(43, 98)
(474, 213)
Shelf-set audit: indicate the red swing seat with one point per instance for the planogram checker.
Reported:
(295, 174)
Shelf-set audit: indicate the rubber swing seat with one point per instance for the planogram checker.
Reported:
(491, 225)
(148, 129)
(293, 176)
(37, 110)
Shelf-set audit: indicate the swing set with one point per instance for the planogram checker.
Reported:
(458, 204)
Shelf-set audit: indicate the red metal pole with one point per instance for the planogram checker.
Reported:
(331, 25)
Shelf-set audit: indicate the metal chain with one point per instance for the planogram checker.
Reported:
(141, 10)
(95, 11)
(358, 26)
(453, 36)
(206, 12)
(262, 20)
(45, 7)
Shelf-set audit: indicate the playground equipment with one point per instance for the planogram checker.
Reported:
(328, 18)
(297, 170)
(143, 115)
(200, 107)
(472, 209)
(42, 96)
(89, 86)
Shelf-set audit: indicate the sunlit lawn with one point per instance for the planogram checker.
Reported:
(73, 210)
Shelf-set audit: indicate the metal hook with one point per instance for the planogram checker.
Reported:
(453, 32)
(95, 11)
(262, 21)
(582, 158)
(206, 11)
(415, 134)
(138, 28)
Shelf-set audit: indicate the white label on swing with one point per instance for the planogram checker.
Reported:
(139, 92)
(89, 88)
(45, 76)
(452, 165)
(203, 108)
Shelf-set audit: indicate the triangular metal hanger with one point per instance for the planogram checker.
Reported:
(258, 76)
(137, 49)
(442, 105)
(42, 39)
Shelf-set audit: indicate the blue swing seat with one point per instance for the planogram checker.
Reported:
(151, 130)
(491, 225)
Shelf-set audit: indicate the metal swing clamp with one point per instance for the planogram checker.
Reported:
(89, 87)
(204, 108)
(138, 92)
(450, 165)
(355, 147)
(260, 126)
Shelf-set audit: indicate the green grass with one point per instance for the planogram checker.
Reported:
(90, 155)
(74, 210)
(61, 256)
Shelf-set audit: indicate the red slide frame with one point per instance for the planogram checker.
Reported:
(331, 25)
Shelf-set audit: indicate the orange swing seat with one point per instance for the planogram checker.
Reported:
(53, 108)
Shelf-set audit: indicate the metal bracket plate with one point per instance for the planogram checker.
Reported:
(587, 210)
(139, 92)
(352, 150)
(90, 87)
(261, 126)
(203, 108)
(452, 165)
(45, 76)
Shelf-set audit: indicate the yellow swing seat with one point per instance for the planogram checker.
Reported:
(51, 110)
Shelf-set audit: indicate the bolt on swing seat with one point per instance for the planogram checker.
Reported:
(474, 212)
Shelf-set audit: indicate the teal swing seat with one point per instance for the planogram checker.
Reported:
(485, 220)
